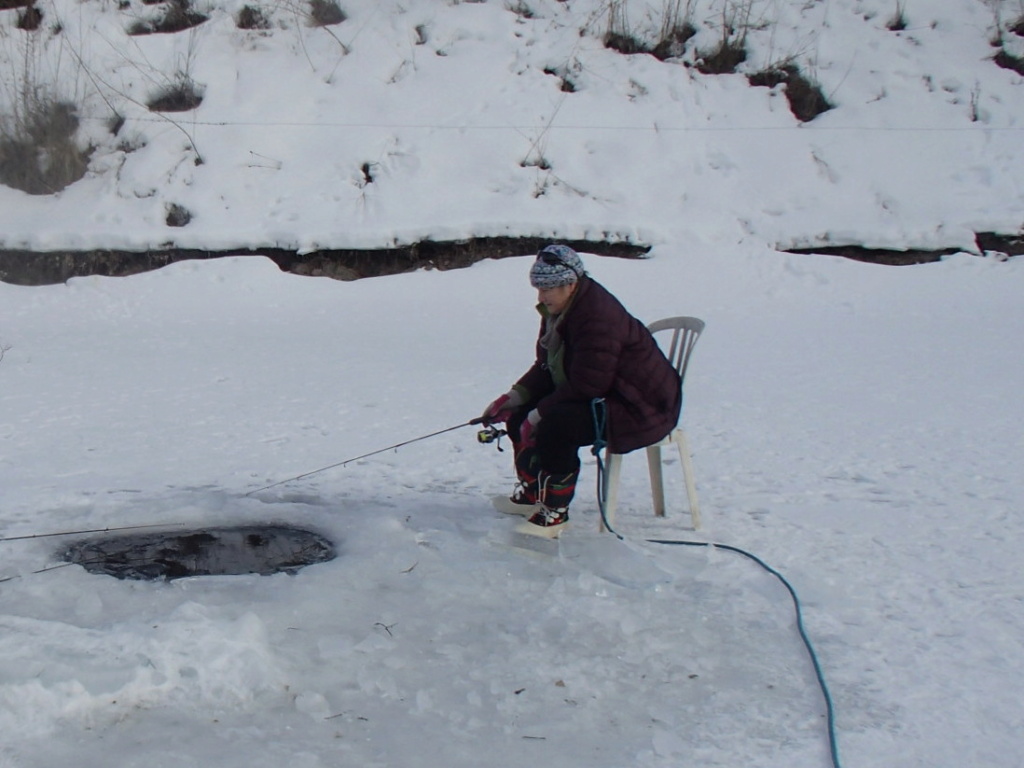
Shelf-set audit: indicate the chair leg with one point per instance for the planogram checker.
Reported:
(691, 488)
(657, 479)
(612, 469)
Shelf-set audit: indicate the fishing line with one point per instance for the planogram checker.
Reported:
(85, 530)
(394, 447)
(75, 533)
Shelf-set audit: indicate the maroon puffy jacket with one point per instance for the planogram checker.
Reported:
(610, 354)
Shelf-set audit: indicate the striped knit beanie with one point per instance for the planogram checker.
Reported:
(556, 265)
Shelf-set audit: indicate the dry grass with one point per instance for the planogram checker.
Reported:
(675, 31)
(180, 96)
(251, 17)
(38, 151)
(325, 13)
(1007, 60)
(29, 19)
(731, 50)
(178, 17)
(806, 100)
(724, 58)
(898, 22)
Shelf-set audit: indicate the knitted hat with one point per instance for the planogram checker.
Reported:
(556, 265)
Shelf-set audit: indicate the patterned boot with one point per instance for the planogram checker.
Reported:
(551, 515)
(523, 500)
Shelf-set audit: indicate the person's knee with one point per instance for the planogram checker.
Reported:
(556, 452)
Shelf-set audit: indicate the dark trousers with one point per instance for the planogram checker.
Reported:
(559, 435)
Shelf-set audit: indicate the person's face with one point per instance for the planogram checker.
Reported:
(556, 299)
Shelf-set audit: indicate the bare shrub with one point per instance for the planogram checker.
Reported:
(806, 101)
(723, 59)
(1007, 60)
(251, 17)
(619, 35)
(178, 17)
(673, 43)
(675, 30)
(1001, 30)
(180, 96)
(624, 43)
(38, 151)
(731, 50)
(520, 9)
(30, 19)
(898, 22)
(325, 13)
(567, 85)
(177, 215)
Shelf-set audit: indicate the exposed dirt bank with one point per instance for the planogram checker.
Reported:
(35, 268)
(32, 268)
(1011, 245)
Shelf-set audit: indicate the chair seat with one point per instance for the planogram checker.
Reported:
(685, 332)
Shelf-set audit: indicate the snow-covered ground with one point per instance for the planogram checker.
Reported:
(856, 426)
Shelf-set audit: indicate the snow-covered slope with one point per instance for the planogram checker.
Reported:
(417, 120)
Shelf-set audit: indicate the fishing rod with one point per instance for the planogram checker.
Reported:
(486, 435)
(489, 434)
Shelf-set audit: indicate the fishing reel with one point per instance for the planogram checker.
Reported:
(491, 434)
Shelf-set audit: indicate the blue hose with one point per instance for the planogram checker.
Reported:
(599, 411)
(829, 708)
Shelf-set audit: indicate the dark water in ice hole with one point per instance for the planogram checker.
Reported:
(262, 549)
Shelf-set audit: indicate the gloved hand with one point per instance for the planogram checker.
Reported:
(501, 408)
(527, 430)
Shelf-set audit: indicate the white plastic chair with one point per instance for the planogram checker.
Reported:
(685, 332)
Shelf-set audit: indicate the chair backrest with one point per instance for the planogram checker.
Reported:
(685, 332)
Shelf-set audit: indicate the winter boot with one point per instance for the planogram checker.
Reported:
(523, 500)
(551, 515)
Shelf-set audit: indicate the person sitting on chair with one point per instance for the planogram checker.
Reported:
(590, 349)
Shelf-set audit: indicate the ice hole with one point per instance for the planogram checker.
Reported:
(263, 549)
